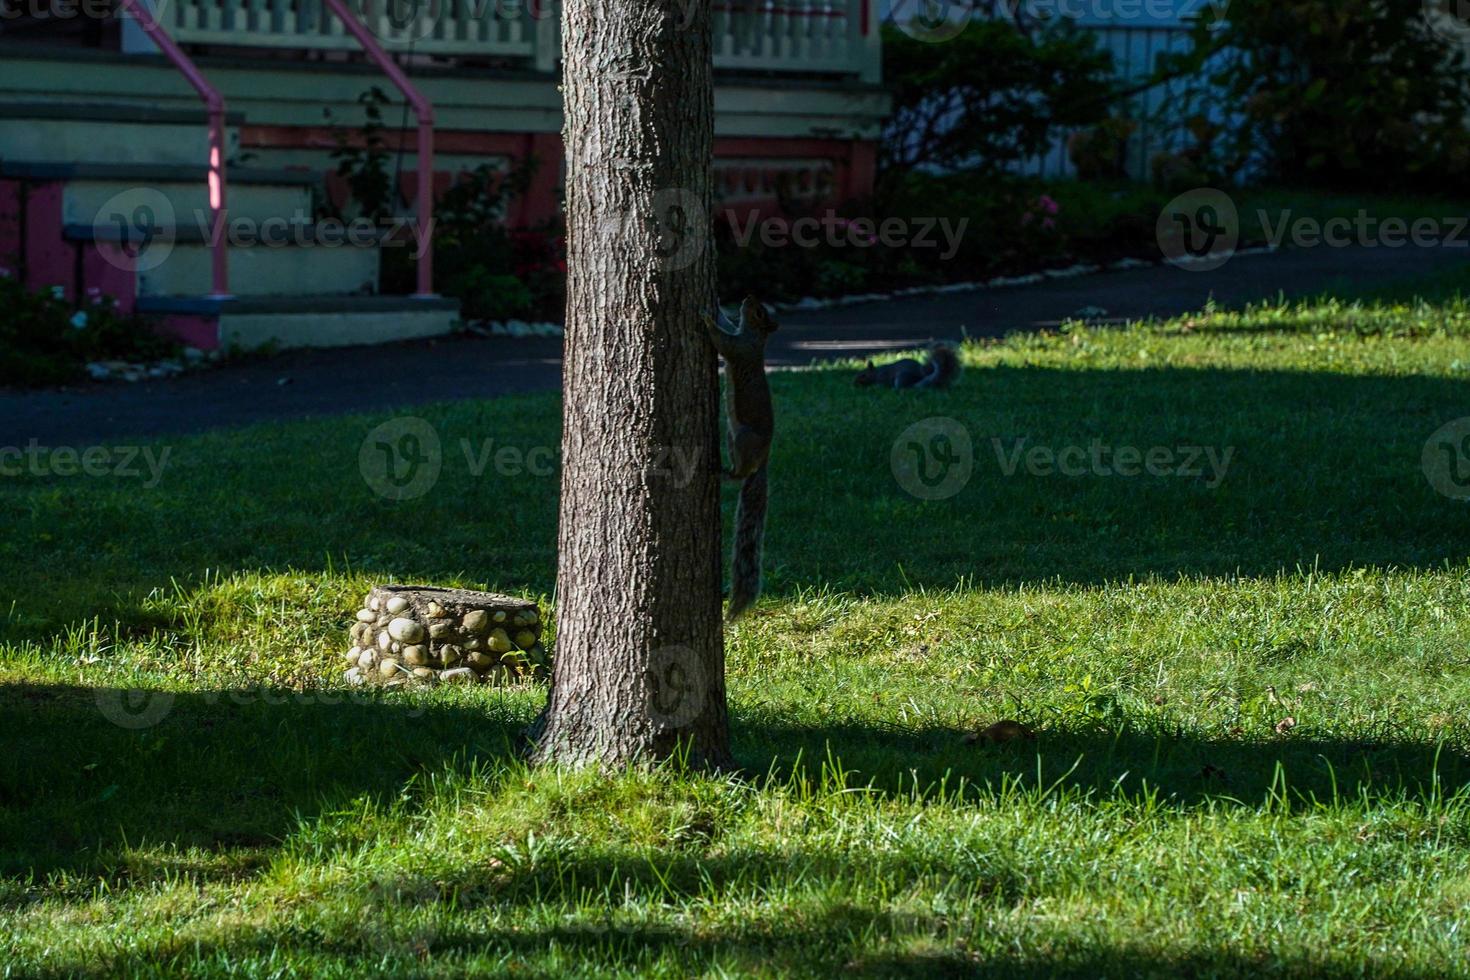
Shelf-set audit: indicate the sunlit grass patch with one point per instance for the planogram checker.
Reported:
(1251, 751)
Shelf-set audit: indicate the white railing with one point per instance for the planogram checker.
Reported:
(838, 36)
(815, 36)
(486, 27)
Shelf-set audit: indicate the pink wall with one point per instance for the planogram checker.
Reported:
(105, 267)
(192, 329)
(49, 260)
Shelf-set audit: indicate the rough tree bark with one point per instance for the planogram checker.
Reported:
(639, 670)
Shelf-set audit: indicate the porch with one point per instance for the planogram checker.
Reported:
(798, 111)
(811, 37)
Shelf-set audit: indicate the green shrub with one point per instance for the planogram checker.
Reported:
(987, 99)
(1347, 94)
(45, 340)
(494, 272)
(485, 295)
(364, 165)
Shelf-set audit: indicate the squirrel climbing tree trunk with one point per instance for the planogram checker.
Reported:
(639, 655)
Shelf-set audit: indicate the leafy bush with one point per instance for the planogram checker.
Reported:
(1344, 94)
(494, 272)
(485, 295)
(989, 98)
(46, 340)
(965, 112)
(365, 167)
(1100, 152)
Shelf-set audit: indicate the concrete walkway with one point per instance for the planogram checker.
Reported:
(296, 384)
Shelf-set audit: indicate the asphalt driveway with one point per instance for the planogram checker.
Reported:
(297, 384)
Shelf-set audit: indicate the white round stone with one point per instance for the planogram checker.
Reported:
(405, 630)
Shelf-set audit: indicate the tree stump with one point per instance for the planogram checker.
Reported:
(420, 634)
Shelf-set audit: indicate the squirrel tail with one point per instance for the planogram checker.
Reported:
(750, 526)
(944, 367)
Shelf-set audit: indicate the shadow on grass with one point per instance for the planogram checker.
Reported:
(1183, 768)
(846, 941)
(90, 770)
(89, 773)
(1262, 472)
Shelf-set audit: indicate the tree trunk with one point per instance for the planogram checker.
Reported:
(639, 667)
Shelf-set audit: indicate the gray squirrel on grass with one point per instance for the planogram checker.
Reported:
(939, 371)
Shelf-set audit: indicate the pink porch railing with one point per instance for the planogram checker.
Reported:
(424, 111)
(215, 103)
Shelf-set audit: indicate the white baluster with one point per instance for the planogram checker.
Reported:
(719, 27)
(295, 15)
(813, 23)
(487, 22)
(500, 21)
(834, 30)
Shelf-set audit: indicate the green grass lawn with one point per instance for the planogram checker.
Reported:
(1249, 694)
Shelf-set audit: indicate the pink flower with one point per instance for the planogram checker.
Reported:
(1048, 205)
(1048, 224)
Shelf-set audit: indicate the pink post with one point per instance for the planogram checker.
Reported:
(425, 113)
(215, 103)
